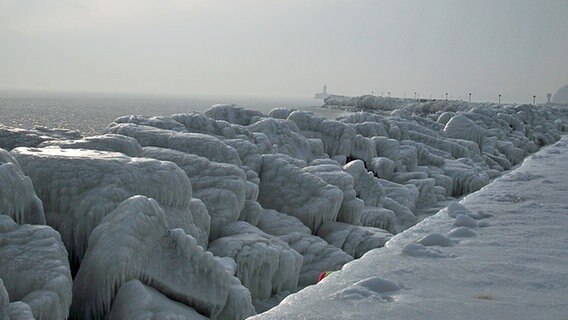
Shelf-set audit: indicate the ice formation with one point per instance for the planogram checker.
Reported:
(35, 270)
(79, 187)
(17, 196)
(11, 138)
(106, 142)
(272, 200)
(135, 300)
(289, 189)
(266, 265)
(166, 259)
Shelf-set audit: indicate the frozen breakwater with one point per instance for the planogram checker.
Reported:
(221, 215)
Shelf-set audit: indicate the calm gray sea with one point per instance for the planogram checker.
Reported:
(90, 113)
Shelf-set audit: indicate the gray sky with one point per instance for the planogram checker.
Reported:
(287, 48)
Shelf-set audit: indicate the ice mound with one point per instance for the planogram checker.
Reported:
(291, 190)
(107, 142)
(266, 265)
(17, 196)
(79, 187)
(134, 242)
(35, 270)
(135, 300)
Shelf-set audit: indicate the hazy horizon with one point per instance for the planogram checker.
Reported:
(516, 48)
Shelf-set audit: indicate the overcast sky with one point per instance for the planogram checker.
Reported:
(287, 48)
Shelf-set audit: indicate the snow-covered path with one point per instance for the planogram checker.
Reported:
(515, 266)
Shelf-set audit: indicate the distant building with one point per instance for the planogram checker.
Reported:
(322, 95)
(561, 95)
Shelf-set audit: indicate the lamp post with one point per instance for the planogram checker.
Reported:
(446, 96)
(499, 98)
(469, 99)
(534, 99)
(415, 95)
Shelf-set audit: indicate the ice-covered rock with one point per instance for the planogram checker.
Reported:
(291, 190)
(79, 187)
(107, 142)
(351, 206)
(199, 144)
(134, 242)
(355, 240)
(17, 196)
(157, 122)
(221, 186)
(461, 127)
(136, 300)
(200, 123)
(279, 224)
(337, 137)
(34, 270)
(284, 137)
(234, 114)
(11, 138)
(266, 265)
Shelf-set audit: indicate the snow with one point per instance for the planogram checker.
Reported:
(167, 259)
(35, 270)
(513, 269)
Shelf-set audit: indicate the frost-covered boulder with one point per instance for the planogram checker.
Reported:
(199, 144)
(378, 217)
(79, 187)
(461, 127)
(221, 186)
(11, 138)
(234, 114)
(157, 122)
(17, 196)
(266, 265)
(200, 123)
(106, 142)
(332, 173)
(136, 300)
(354, 240)
(134, 242)
(34, 270)
(318, 256)
(278, 224)
(291, 190)
(384, 194)
(337, 137)
(284, 137)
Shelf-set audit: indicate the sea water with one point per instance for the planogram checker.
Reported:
(91, 113)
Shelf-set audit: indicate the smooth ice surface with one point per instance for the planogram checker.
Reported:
(134, 242)
(34, 269)
(515, 268)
